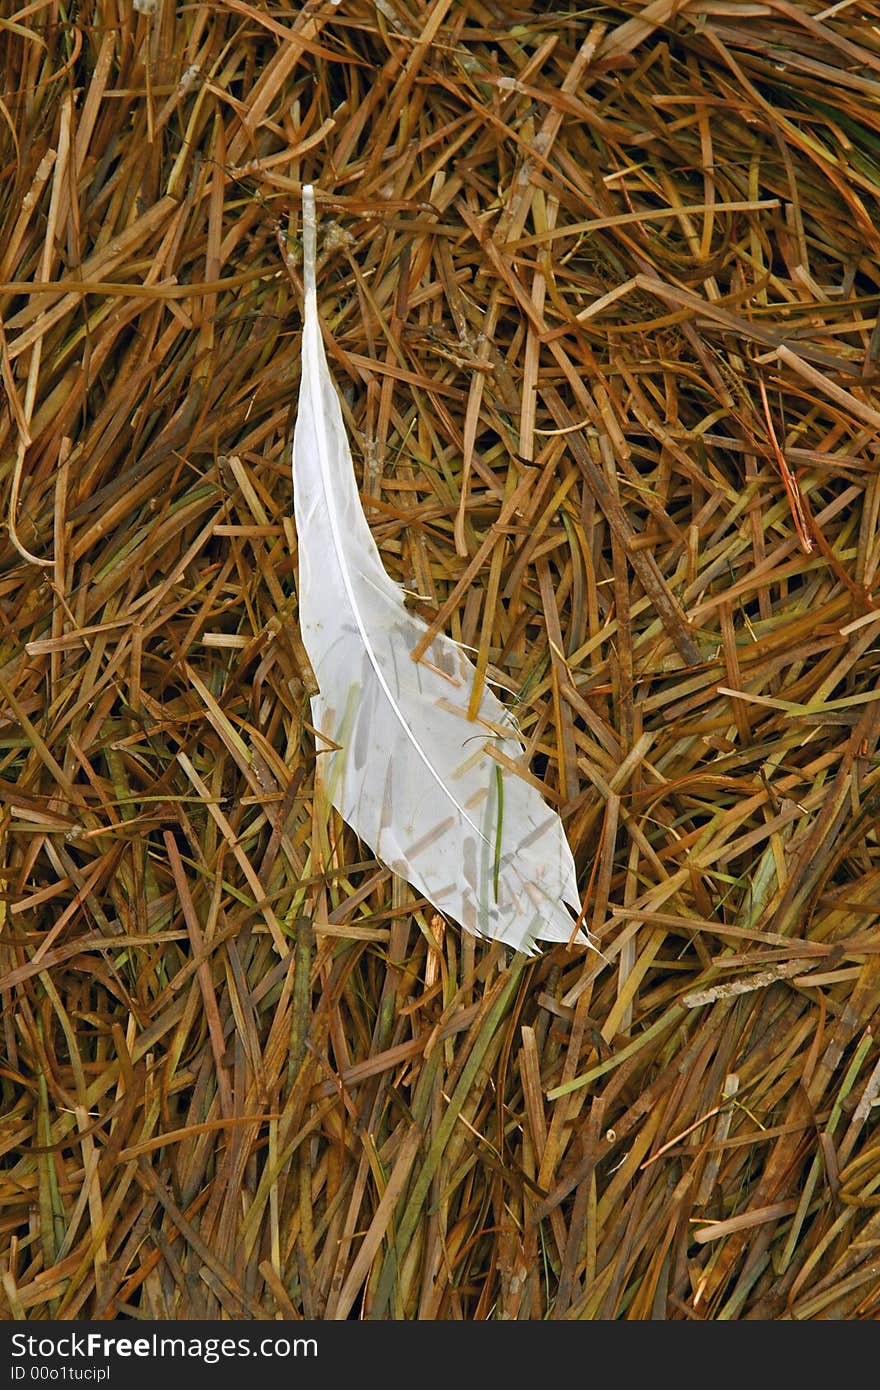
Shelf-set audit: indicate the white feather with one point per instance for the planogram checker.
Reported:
(403, 764)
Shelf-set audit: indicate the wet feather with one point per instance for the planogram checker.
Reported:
(402, 762)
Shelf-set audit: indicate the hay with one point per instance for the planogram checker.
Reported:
(602, 290)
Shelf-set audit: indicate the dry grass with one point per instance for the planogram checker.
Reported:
(603, 289)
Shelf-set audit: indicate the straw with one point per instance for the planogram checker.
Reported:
(601, 297)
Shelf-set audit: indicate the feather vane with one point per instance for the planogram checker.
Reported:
(403, 764)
